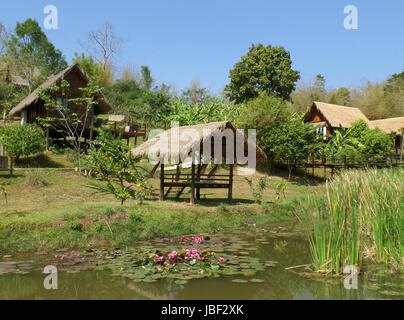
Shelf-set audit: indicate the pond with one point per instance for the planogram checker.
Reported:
(22, 276)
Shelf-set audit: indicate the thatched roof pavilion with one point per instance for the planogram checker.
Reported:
(178, 143)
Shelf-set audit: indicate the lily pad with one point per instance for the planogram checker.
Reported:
(240, 281)
(257, 280)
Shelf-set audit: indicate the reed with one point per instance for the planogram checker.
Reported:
(360, 217)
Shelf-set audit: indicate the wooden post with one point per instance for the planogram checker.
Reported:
(198, 190)
(192, 199)
(2, 150)
(11, 165)
(47, 138)
(162, 182)
(230, 196)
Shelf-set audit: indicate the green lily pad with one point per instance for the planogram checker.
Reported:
(257, 280)
(240, 281)
(181, 282)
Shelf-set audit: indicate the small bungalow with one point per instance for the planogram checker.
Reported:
(329, 117)
(185, 142)
(33, 107)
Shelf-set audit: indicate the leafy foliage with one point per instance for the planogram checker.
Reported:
(262, 70)
(22, 140)
(94, 70)
(280, 133)
(258, 190)
(137, 102)
(111, 160)
(190, 114)
(31, 55)
(359, 139)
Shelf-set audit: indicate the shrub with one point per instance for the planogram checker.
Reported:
(22, 140)
(75, 225)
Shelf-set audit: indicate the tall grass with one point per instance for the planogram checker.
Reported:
(360, 216)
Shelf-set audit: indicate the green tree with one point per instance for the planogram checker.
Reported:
(103, 78)
(111, 161)
(341, 97)
(394, 95)
(147, 80)
(31, 55)
(262, 70)
(196, 94)
(318, 91)
(280, 133)
(138, 104)
(22, 140)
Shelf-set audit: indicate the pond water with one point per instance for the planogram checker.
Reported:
(275, 282)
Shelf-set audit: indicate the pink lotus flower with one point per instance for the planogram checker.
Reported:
(280, 228)
(201, 234)
(263, 230)
(221, 259)
(184, 237)
(160, 259)
(73, 252)
(63, 257)
(101, 255)
(78, 255)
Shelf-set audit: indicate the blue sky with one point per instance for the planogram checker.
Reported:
(185, 39)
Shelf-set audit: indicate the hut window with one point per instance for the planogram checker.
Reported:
(62, 102)
(324, 133)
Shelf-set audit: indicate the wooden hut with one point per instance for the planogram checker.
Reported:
(33, 107)
(191, 143)
(328, 117)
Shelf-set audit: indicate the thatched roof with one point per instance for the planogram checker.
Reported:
(392, 125)
(174, 150)
(102, 107)
(336, 115)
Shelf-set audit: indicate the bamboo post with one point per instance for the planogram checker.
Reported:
(162, 182)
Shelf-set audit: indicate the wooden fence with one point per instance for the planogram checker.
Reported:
(356, 161)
